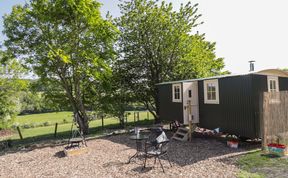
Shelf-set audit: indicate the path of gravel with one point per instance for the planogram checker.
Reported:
(107, 157)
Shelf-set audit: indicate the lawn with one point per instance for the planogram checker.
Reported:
(257, 164)
(53, 117)
(59, 117)
(64, 129)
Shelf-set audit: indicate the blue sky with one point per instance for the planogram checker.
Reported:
(243, 30)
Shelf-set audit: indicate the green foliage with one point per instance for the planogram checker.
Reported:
(156, 45)
(31, 102)
(38, 102)
(65, 121)
(46, 123)
(68, 45)
(10, 89)
(200, 61)
(115, 100)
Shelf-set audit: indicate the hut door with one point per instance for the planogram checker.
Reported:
(190, 102)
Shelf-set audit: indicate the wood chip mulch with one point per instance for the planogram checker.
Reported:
(107, 157)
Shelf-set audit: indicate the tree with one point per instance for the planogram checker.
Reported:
(156, 45)
(10, 89)
(285, 69)
(114, 99)
(66, 42)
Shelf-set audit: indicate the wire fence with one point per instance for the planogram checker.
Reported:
(274, 117)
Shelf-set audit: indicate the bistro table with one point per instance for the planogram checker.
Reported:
(139, 145)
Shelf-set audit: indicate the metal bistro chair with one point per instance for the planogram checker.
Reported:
(157, 151)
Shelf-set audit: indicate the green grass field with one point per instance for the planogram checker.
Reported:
(64, 130)
(58, 117)
(54, 117)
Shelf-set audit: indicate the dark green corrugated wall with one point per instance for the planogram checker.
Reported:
(238, 110)
(283, 83)
(234, 113)
(169, 111)
(259, 85)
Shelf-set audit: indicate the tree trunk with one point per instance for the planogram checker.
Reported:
(83, 126)
(82, 122)
(152, 111)
(157, 116)
(156, 101)
(122, 121)
(75, 96)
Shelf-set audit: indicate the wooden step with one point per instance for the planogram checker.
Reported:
(182, 134)
(176, 138)
(183, 129)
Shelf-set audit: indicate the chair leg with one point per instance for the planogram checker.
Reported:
(145, 162)
(161, 164)
(169, 160)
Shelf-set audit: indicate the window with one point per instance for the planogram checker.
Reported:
(211, 92)
(273, 85)
(189, 93)
(176, 92)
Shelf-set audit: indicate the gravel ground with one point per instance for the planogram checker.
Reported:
(107, 157)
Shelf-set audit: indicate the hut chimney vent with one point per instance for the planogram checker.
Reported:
(251, 66)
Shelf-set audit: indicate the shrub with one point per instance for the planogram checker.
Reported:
(26, 126)
(65, 121)
(15, 125)
(33, 125)
(40, 124)
(46, 124)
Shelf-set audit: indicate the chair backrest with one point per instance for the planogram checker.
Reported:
(155, 132)
(163, 146)
(162, 137)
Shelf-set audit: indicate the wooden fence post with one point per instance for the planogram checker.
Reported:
(134, 118)
(55, 132)
(138, 116)
(102, 119)
(19, 132)
(126, 119)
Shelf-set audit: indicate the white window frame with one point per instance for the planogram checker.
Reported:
(273, 78)
(213, 82)
(276, 98)
(177, 100)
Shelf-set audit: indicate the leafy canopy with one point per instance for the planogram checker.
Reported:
(156, 45)
(10, 89)
(66, 42)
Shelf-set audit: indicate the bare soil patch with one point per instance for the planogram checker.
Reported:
(5, 133)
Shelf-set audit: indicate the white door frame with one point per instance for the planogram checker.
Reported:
(190, 105)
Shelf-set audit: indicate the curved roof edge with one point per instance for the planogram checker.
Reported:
(273, 72)
(276, 72)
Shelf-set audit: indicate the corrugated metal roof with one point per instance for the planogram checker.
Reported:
(262, 72)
